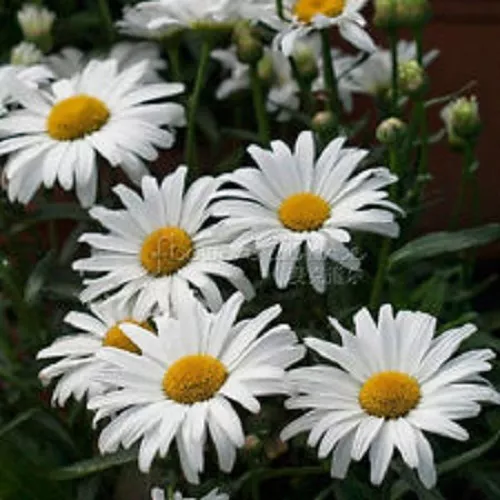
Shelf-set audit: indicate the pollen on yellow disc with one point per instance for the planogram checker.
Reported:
(166, 250)
(76, 117)
(389, 394)
(194, 378)
(305, 10)
(115, 336)
(304, 212)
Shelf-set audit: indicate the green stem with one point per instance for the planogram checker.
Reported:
(259, 105)
(464, 179)
(279, 9)
(107, 19)
(329, 75)
(424, 144)
(173, 58)
(393, 39)
(419, 40)
(191, 153)
(385, 251)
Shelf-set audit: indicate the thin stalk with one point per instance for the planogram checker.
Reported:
(464, 180)
(259, 105)
(419, 40)
(191, 152)
(173, 58)
(329, 75)
(107, 19)
(279, 9)
(385, 251)
(393, 39)
(424, 133)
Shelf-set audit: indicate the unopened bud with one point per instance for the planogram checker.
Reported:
(274, 448)
(305, 62)
(462, 120)
(391, 130)
(252, 443)
(412, 77)
(25, 54)
(323, 123)
(36, 24)
(249, 49)
(265, 69)
(394, 14)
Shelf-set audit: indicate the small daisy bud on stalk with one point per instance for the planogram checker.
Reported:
(412, 77)
(36, 24)
(324, 123)
(249, 48)
(391, 131)
(25, 54)
(394, 14)
(305, 62)
(265, 69)
(462, 120)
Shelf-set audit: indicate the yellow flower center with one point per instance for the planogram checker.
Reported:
(194, 378)
(166, 250)
(76, 117)
(305, 10)
(389, 394)
(115, 336)
(304, 212)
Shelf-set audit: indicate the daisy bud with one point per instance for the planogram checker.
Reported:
(391, 131)
(462, 120)
(265, 69)
(274, 448)
(412, 77)
(25, 54)
(36, 24)
(249, 49)
(323, 123)
(252, 443)
(305, 62)
(393, 14)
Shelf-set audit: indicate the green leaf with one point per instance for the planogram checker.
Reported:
(93, 465)
(38, 277)
(17, 421)
(51, 211)
(435, 244)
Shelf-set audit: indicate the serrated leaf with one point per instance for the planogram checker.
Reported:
(440, 243)
(91, 466)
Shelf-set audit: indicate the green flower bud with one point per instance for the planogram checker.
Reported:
(323, 123)
(462, 120)
(394, 14)
(25, 54)
(412, 77)
(249, 50)
(391, 131)
(36, 24)
(265, 69)
(305, 62)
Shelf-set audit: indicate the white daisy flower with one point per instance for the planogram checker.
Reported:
(78, 365)
(161, 18)
(374, 75)
(71, 60)
(394, 381)
(159, 246)
(159, 494)
(305, 16)
(283, 95)
(35, 21)
(59, 133)
(187, 380)
(293, 201)
(31, 76)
